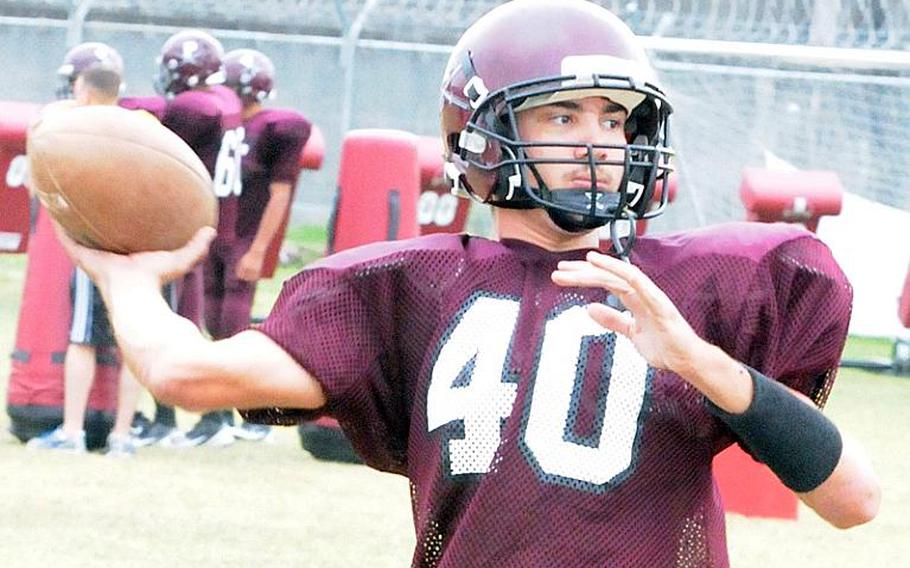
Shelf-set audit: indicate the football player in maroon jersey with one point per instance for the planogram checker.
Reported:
(207, 115)
(551, 404)
(252, 218)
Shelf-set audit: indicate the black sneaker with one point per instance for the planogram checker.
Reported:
(209, 432)
(140, 424)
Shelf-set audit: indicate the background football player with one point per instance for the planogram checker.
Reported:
(552, 405)
(90, 74)
(195, 104)
(251, 219)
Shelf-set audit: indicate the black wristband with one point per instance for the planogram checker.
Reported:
(799, 443)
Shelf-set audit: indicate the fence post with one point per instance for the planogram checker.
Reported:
(348, 52)
(76, 21)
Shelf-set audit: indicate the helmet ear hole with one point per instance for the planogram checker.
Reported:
(502, 125)
(642, 178)
(642, 121)
(452, 142)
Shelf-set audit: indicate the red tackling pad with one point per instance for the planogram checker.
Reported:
(35, 391)
(14, 199)
(800, 196)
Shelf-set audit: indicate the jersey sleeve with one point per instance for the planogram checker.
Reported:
(286, 139)
(155, 105)
(810, 302)
(340, 325)
(793, 318)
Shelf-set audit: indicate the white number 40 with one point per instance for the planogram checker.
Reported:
(470, 384)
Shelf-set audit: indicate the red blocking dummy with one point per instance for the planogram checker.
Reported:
(438, 210)
(14, 199)
(750, 488)
(35, 391)
(378, 187)
(795, 197)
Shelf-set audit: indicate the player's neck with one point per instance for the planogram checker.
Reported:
(97, 100)
(535, 226)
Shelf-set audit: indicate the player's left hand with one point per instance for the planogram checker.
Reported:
(652, 322)
(249, 268)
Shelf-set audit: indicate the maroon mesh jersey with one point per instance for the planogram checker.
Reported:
(200, 117)
(275, 138)
(154, 104)
(530, 436)
(210, 121)
(203, 118)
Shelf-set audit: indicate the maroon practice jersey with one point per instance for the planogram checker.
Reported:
(275, 138)
(154, 104)
(531, 436)
(210, 121)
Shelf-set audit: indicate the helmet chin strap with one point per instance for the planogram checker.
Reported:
(581, 223)
(624, 249)
(571, 222)
(574, 222)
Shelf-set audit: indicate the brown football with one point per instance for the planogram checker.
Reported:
(118, 180)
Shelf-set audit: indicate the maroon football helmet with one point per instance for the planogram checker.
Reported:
(530, 53)
(250, 73)
(85, 56)
(188, 59)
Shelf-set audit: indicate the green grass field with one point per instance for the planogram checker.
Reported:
(274, 505)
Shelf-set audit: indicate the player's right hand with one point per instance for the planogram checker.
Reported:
(651, 320)
(158, 266)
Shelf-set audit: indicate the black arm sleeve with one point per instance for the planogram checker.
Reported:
(799, 443)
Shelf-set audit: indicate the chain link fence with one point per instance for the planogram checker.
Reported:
(855, 23)
(821, 84)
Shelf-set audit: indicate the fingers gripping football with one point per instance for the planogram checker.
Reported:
(160, 266)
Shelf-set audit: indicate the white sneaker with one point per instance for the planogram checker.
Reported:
(120, 446)
(57, 439)
(254, 432)
(174, 439)
(223, 437)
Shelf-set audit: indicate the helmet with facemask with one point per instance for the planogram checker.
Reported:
(529, 53)
(188, 59)
(251, 74)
